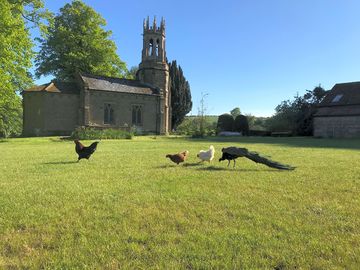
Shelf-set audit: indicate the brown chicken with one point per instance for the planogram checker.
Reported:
(178, 158)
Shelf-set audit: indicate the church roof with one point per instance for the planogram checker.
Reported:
(56, 87)
(104, 83)
(342, 94)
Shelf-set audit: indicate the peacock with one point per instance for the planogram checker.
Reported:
(232, 153)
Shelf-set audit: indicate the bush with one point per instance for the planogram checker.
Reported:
(191, 126)
(85, 133)
(241, 124)
(225, 122)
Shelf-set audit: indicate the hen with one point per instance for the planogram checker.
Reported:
(178, 158)
(207, 155)
(84, 151)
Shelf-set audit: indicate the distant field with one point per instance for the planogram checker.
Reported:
(130, 208)
(209, 118)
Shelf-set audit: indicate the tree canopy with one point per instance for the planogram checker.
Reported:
(225, 122)
(15, 57)
(297, 115)
(235, 112)
(181, 103)
(77, 41)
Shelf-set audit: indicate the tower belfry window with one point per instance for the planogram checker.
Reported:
(157, 48)
(151, 47)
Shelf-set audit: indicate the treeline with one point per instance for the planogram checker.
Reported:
(292, 117)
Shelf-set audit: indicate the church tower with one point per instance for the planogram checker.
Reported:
(154, 69)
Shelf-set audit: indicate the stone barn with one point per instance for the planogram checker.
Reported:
(57, 108)
(338, 115)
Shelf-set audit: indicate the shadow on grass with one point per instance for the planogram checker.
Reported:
(58, 140)
(213, 168)
(164, 166)
(60, 162)
(192, 164)
(311, 142)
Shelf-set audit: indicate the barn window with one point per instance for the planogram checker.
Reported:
(108, 114)
(137, 115)
(337, 98)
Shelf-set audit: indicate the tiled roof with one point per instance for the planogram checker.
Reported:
(342, 94)
(56, 87)
(104, 83)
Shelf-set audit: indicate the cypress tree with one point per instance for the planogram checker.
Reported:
(181, 103)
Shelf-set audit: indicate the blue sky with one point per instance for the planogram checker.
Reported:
(250, 54)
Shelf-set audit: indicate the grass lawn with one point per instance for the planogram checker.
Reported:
(130, 208)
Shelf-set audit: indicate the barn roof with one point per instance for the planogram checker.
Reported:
(104, 83)
(342, 94)
(56, 87)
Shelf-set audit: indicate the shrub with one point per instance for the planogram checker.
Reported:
(191, 126)
(85, 133)
(225, 122)
(241, 124)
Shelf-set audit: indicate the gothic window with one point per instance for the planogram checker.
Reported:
(157, 48)
(137, 115)
(108, 114)
(151, 46)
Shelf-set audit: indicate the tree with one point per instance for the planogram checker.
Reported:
(202, 115)
(241, 124)
(181, 103)
(131, 74)
(297, 115)
(76, 41)
(225, 122)
(235, 112)
(15, 57)
(10, 115)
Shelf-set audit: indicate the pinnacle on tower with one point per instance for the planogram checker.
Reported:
(162, 24)
(154, 24)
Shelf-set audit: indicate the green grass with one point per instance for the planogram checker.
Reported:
(130, 208)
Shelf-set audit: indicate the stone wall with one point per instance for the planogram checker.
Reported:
(50, 113)
(33, 113)
(337, 127)
(122, 105)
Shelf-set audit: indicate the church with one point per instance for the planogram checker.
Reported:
(57, 108)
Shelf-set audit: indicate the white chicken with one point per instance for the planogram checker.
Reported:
(207, 155)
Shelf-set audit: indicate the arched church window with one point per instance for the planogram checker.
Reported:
(108, 114)
(137, 115)
(151, 46)
(157, 47)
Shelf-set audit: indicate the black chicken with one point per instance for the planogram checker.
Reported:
(84, 151)
(232, 153)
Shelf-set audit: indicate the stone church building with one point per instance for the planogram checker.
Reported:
(57, 108)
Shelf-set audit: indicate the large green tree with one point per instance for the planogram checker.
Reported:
(235, 112)
(16, 17)
(181, 103)
(297, 115)
(77, 41)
